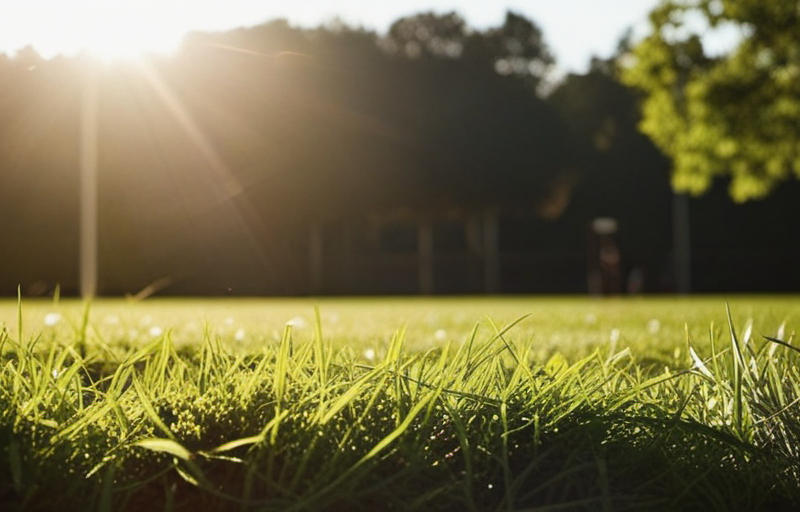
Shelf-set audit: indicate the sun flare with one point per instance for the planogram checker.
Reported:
(109, 29)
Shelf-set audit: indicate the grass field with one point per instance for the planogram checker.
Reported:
(401, 404)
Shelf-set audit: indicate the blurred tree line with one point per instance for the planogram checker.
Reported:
(233, 165)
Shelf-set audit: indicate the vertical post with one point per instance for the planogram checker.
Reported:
(491, 258)
(315, 257)
(474, 239)
(425, 252)
(88, 183)
(681, 243)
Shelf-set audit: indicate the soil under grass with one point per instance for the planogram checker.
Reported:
(401, 404)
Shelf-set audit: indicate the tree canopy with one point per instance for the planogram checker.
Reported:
(735, 115)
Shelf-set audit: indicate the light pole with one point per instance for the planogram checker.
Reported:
(88, 181)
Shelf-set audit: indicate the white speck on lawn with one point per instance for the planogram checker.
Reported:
(51, 319)
(298, 322)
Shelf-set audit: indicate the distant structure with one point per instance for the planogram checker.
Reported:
(603, 273)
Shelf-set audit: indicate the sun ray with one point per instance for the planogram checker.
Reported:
(229, 192)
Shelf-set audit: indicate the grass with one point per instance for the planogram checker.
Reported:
(401, 404)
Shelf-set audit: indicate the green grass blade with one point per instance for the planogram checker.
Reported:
(169, 446)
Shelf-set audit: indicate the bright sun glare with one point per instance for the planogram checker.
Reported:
(107, 29)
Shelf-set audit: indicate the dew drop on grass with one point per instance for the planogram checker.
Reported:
(156, 331)
(653, 326)
(440, 334)
(369, 354)
(748, 332)
(298, 322)
(51, 319)
(239, 334)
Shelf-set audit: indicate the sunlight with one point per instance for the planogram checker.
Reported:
(122, 29)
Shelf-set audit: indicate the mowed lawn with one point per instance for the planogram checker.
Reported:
(462, 403)
(574, 326)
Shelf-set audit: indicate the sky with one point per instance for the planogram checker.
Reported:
(575, 30)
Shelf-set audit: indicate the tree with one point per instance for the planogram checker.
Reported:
(428, 35)
(734, 115)
(515, 48)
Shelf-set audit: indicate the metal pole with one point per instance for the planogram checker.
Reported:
(88, 183)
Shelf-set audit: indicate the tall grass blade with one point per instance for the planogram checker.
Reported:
(282, 364)
(106, 502)
(738, 370)
(20, 337)
(150, 412)
(781, 342)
